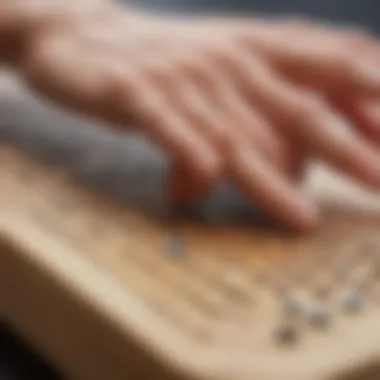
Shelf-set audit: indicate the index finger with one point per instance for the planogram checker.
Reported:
(269, 188)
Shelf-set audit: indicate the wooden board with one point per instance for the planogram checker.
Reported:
(106, 292)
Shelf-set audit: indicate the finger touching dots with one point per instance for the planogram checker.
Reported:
(248, 102)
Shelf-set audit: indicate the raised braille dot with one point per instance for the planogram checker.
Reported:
(174, 247)
(292, 306)
(287, 335)
(319, 319)
(353, 303)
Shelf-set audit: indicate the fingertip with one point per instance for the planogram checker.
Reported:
(307, 217)
(298, 211)
(210, 167)
(182, 187)
(187, 183)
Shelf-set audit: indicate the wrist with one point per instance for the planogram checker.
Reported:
(21, 20)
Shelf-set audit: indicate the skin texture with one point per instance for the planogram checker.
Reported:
(251, 100)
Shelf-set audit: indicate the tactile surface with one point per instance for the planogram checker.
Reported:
(236, 291)
(249, 303)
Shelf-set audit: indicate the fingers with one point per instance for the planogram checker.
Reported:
(155, 115)
(103, 85)
(327, 59)
(331, 137)
(216, 111)
(254, 128)
(360, 46)
(184, 186)
(302, 115)
(229, 110)
(215, 106)
(272, 190)
(60, 69)
(263, 183)
(365, 114)
(223, 117)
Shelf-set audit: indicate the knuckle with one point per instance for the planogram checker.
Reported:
(145, 109)
(39, 63)
(41, 54)
(122, 83)
(148, 109)
(117, 77)
(129, 90)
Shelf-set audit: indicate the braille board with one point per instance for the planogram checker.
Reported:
(106, 292)
(93, 286)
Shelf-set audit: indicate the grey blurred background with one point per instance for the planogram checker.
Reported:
(129, 167)
(359, 12)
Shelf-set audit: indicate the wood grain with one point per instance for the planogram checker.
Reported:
(88, 279)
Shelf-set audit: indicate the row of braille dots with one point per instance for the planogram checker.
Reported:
(276, 280)
(234, 278)
(298, 313)
(353, 273)
(233, 281)
(359, 267)
(357, 271)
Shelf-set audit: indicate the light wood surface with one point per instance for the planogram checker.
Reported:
(92, 284)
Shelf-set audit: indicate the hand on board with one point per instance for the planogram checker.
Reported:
(250, 100)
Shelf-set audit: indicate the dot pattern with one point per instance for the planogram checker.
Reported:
(279, 291)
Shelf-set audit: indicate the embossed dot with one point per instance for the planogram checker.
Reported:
(292, 306)
(320, 319)
(287, 335)
(353, 302)
(174, 247)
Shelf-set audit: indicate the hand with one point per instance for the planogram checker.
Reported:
(224, 97)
